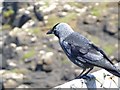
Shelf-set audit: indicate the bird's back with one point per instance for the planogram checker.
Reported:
(77, 39)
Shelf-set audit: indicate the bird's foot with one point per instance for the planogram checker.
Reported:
(85, 77)
(80, 76)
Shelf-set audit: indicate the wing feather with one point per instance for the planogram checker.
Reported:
(78, 46)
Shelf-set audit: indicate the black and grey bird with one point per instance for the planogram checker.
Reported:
(39, 15)
(81, 51)
(23, 19)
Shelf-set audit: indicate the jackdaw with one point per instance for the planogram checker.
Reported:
(39, 15)
(81, 51)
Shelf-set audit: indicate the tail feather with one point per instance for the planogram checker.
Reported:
(115, 72)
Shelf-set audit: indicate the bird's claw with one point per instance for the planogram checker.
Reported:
(87, 77)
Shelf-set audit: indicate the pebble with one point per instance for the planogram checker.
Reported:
(67, 7)
(13, 45)
(90, 19)
(47, 68)
(47, 58)
(41, 52)
(15, 76)
(49, 9)
(23, 86)
(62, 14)
(10, 83)
(77, 72)
(11, 63)
(3, 61)
(34, 39)
(2, 72)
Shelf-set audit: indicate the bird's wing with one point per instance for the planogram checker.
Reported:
(101, 51)
(78, 46)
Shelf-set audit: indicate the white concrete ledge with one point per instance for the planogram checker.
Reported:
(98, 79)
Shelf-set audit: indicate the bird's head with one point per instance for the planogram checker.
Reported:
(61, 30)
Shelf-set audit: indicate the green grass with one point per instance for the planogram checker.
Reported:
(109, 49)
(76, 4)
(95, 39)
(19, 71)
(47, 3)
(34, 30)
(8, 13)
(65, 61)
(29, 54)
(97, 10)
(55, 19)
(6, 27)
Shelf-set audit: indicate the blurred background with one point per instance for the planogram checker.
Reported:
(31, 59)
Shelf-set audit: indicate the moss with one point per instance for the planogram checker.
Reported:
(19, 71)
(29, 54)
(55, 19)
(65, 61)
(95, 39)
(97, 10)
(8, 13)
(109, 49)
(34, 30)
(47, 3)
(76, 4)
(6, 27)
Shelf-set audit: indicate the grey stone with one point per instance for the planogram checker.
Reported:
(3, 61)
(62, 14)
(47, 68)
(10, 83)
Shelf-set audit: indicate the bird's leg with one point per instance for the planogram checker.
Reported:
(87, 73)
(80, 74)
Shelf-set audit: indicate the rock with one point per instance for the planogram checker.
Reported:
(61, 14)
(3, 62)
(29, 24)
(11, 63)
(68, 75)
(47, 58)
(2, 72)
(31, 64)
(30, 8)
(11, 39)
(81, 10)
(49, 9)
(47, 68)
(77, 72)
(19, 51)
(41, 3)
(15, 76)
(17, 33)
(33, 39)
(46, 17)
(1, 84)
(10, 83)
(1, 46)
(90, 19)
(111, 29)
(9, 51)
(67, 7)
(53, 39)
(23, 86)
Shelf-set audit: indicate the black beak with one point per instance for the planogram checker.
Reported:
(49, 32)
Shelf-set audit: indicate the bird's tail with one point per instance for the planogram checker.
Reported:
(115, 72)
